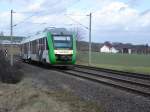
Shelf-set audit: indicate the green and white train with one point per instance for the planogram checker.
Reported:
(55, 46)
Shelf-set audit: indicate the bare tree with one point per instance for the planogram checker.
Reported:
(1, 33)
(80, 33)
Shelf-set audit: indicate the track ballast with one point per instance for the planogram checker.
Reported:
(130, 82)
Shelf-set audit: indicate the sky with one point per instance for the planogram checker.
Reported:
(126, 21)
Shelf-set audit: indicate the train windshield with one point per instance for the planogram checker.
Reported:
(62, 42)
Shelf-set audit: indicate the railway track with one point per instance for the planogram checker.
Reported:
(136, 84)
(116, 72)
(122, 80)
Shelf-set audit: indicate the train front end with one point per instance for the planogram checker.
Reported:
(62, 49)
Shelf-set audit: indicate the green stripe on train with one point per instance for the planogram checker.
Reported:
(74, 49)
(51, 49)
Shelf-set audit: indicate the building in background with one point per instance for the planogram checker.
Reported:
(115, 47)
(108, 48)
(5, 44)
(127, 48)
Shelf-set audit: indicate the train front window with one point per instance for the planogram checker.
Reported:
(62, 42)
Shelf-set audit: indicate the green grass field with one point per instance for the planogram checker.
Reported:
(126, 62)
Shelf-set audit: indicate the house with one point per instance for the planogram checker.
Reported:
(127, 48)
(108, 48)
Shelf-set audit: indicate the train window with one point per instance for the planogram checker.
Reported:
(34, 49)
(25, 48)
(62, 42)
(30, 47)
(47, 48)
(41, 44)
(44, 40)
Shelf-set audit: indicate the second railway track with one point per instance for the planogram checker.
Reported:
(136, 85)
(116, 72)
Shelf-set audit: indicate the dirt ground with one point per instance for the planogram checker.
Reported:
(25, 97)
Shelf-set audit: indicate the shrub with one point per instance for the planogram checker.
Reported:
(9, 74)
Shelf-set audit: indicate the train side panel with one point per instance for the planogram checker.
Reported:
(35, 51)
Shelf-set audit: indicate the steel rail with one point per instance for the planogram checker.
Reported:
(116, 72)
(98, 80)
(116, 79)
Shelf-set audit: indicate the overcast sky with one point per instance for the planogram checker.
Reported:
(112, 20)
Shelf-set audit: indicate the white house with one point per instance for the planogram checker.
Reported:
(108, 48)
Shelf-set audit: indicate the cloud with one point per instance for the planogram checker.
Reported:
(115, 14)
(117, 21)
(111, 18)
(34, 11)
(119, 16)
(145, 19)
(3, 19)
(35, 6)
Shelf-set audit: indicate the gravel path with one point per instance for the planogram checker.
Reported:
(112, 100)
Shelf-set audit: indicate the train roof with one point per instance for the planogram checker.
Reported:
(59, 31)
(32, 38)
(54, 31)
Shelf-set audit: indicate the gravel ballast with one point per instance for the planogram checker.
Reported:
(110, 99)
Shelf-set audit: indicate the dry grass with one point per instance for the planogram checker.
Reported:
(23, 97)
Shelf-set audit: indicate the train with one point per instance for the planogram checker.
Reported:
(55, 46)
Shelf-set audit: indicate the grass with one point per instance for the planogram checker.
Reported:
(126, 62)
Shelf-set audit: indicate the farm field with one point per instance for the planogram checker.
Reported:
(125, 62)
